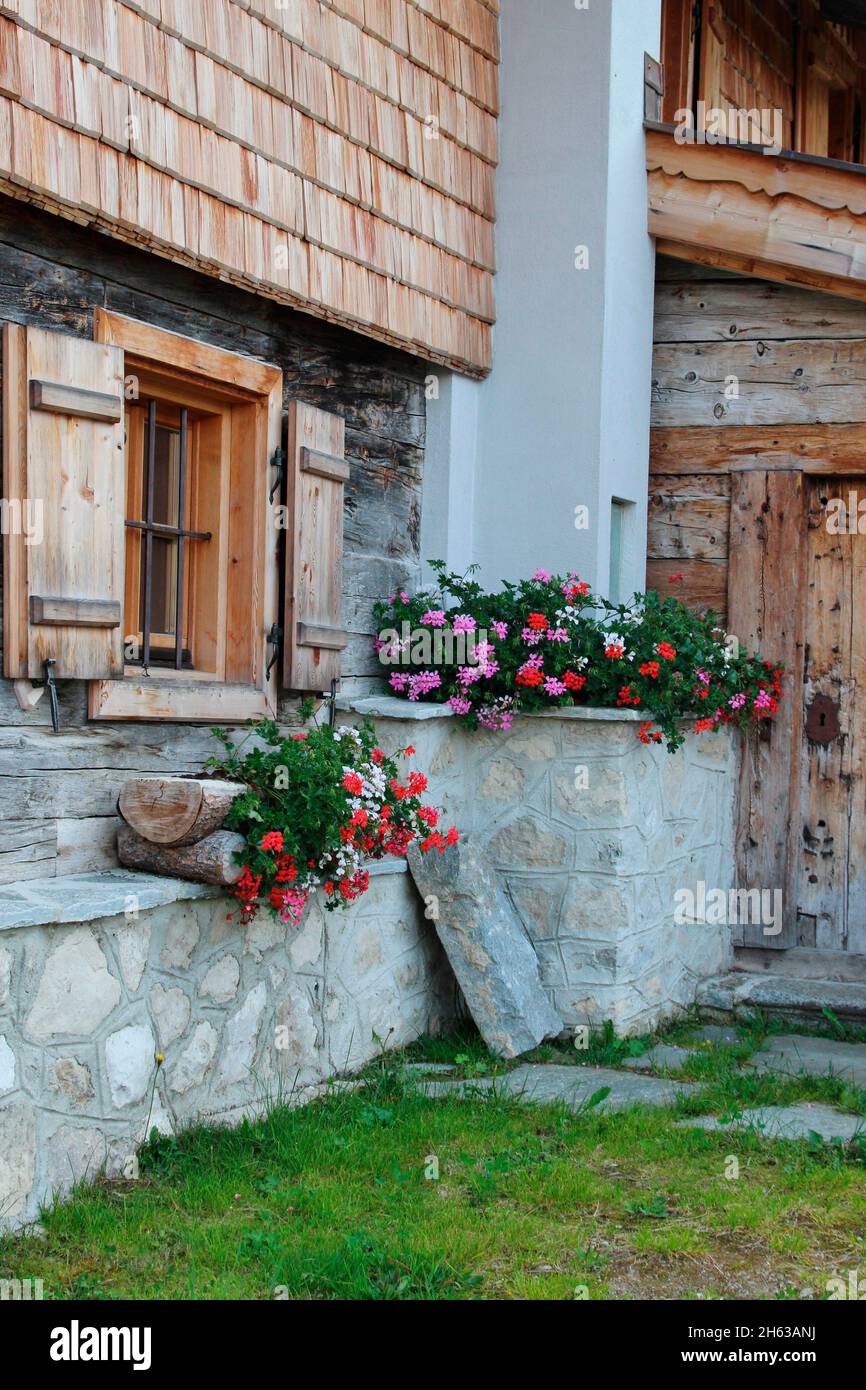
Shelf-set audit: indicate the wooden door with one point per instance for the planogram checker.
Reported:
(797, 588)
(828, 875)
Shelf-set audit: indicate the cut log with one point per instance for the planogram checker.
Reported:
(210, 860)
(176, 810)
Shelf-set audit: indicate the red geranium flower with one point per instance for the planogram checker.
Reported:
(538, 622)
(353, 783)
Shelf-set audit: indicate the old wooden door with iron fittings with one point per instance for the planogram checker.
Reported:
(829, 845)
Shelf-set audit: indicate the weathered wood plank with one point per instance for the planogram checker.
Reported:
(767, 574)
(704, 583)
(734, 310)
(687, 528)
(59, 398)
(28, 849)
(762, 383)
(87, 845)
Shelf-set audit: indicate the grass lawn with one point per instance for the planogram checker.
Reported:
(341, 1199)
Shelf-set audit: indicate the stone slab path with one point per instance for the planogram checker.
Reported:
(574, 1086)
(786, 1122)
(792, 1055)
(662, 1057)
(788, 1055)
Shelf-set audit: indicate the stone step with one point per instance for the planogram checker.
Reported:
(803, 1001)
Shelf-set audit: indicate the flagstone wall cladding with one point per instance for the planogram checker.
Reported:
(241, 1015)
(593, 833)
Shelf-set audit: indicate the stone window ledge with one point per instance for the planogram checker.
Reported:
(393, 707)
(74, 898)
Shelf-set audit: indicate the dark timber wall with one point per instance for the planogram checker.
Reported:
(58, 794)
(796, 358)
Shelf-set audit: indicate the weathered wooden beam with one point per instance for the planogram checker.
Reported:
(820, 449)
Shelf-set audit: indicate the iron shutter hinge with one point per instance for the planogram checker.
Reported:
(275, 640)
(278, 461)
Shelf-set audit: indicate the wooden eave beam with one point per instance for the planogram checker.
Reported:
(794, 219)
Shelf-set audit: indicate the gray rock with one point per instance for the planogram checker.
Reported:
(132, 942)
(7, 1067)
(786, 1122)
(794, 1055)
(195, 1059)
(664, 1056)
(76, 991)
(71, 1079)
(242, 1032)
(171, 1011)
(130, 1062)
(491, 955)
(5, 974)
(222, 980)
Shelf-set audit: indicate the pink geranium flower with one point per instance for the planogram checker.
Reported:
(553, 686)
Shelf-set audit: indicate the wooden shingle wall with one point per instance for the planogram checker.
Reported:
(335, 155)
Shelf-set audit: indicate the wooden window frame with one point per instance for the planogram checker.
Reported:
(248, 593)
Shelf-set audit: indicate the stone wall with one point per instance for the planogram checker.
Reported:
(593, 833)
(241, 1016)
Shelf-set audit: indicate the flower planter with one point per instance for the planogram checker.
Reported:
(594, 834)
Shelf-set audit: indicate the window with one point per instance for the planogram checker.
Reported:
(200, 592)
(175, 535)
(157, 461)
(618, 523)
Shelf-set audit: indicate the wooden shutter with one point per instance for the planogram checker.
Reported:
(317, 473)
(63, 467)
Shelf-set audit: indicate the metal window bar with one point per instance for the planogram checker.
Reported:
(181, 500)
(150, 469)
(152, 528)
